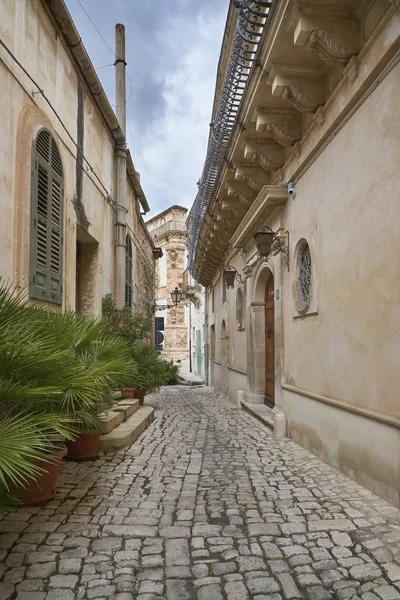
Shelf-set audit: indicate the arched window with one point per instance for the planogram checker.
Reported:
(46, 220)
(128, 272)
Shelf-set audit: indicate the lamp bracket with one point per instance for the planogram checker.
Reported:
(237, 276)
(163, 306)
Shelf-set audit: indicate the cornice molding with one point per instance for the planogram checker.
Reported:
(269, 197)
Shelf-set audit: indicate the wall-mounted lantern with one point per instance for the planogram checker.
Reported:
(268, 241)
(176, 297)
(230, 275)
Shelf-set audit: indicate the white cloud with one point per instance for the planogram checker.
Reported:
(173, 149)
(173, 79)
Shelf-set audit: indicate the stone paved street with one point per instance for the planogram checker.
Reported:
(205, 505)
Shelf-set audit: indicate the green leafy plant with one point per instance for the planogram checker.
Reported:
(58, 373)
(101, 361)
(152, 370)
(134, 328)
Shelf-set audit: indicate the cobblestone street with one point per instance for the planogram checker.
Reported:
(207, 505)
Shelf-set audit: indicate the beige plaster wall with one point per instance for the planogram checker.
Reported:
(365, 449)
(347, 204)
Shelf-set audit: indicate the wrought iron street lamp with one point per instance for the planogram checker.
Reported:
(176, 297)
(230, 275)
(268, 241)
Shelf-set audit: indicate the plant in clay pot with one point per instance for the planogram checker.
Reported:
(58, 372)
(152, 371)
(31, 436)
(103, 363)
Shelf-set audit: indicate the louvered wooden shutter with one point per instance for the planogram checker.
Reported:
(47, 221)
(128, 272)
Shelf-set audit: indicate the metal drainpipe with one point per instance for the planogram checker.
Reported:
(206, 335)
(121, 158)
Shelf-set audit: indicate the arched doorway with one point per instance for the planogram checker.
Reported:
(269, 342)
(224, 357)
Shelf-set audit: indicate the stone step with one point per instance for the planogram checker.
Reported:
(128, 432)
(261, 412)
(189, 379)
(128, 405)
(119, 413)
(111, 419)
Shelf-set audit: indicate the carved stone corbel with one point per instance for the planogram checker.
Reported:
(220, 233)
(254, 178)
(276, 133)
(282, 126)
(264, 162)
(270, 157)
(242, 200)
(327, 50)
(299, 101)
(228, 207)
(248, 179)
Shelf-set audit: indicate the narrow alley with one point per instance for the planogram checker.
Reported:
(207, 505)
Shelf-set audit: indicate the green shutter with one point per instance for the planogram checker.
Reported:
(47, 221)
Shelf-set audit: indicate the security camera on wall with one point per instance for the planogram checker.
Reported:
(291, 189)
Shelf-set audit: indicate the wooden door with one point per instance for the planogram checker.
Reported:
(269, 343)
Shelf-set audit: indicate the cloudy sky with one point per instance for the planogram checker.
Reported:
(172, 51)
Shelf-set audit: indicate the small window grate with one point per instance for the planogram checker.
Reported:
(305, 274)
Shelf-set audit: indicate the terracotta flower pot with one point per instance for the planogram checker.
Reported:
(43, 487)
(85, 447)
(128, 392)
(140, 394)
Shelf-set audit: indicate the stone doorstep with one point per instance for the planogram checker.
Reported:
(261, 412)
(128, 432)
(113, 418)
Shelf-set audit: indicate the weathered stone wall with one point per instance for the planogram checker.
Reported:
(31, 36)
(169, 233)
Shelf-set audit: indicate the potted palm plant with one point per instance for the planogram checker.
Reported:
(58, 372)
(152, 371)
(30, 450)
(102, 362)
